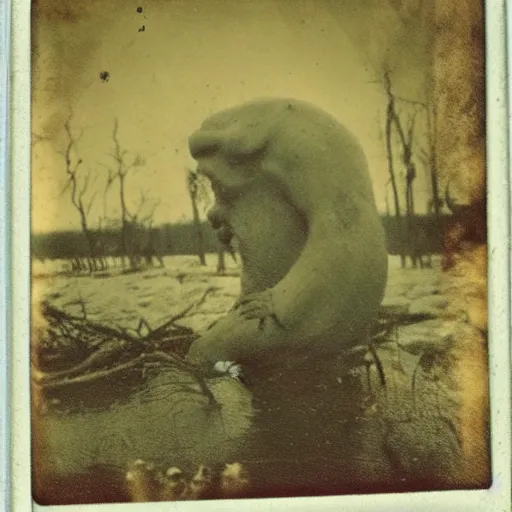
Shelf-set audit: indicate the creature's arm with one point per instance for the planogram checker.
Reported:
(237, 337)
(333, 290)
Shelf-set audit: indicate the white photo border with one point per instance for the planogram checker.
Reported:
(4, 251)
(497, 498)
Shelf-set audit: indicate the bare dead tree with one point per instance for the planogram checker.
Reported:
(408, 235)
(201, 194)
(143, 239)
(389, 143)
(412, 235)
(101, 239)
(430, 158)
(121, 172)
(406, 139)
(410, 174)
(78, 185)
(193, 185)
(390, 114)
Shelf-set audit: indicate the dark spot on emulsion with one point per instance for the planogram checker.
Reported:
(139, 10)
(104, 76)
(142, 29)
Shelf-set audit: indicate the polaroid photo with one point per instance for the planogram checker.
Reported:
(260, 255)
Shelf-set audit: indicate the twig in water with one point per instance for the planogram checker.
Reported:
(50, 382)
(193, 370)
(378, 364)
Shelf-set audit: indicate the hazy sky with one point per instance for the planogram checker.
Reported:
(193, 58)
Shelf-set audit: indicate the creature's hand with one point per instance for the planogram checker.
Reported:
(258, 306)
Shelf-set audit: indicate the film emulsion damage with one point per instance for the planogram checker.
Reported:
(236, 297)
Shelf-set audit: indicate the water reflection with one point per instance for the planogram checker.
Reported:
(312, 433)
(319, 429)
(161, 417)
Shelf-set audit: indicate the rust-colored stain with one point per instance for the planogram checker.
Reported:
(459, 70)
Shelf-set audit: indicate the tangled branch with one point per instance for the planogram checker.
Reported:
(111, 350)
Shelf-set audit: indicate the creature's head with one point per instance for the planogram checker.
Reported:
(228, 151)
(272, 164)
(231, 149)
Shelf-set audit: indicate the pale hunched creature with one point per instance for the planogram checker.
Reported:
(292, 187)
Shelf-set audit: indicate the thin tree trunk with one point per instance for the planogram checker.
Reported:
(396, 200)
(389, 121)
(199, 231)
(125, 239)
(432, 127)
(88, 237)
(221, 264)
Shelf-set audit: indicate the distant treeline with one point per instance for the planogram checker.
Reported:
(417, 235)
(165, 240)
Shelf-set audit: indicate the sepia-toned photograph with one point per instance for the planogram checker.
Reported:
(258, 249)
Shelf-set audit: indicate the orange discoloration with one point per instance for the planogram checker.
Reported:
(459, 89)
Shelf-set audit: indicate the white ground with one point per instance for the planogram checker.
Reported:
(159, 293)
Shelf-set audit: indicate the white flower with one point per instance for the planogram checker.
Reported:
(228, 367)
